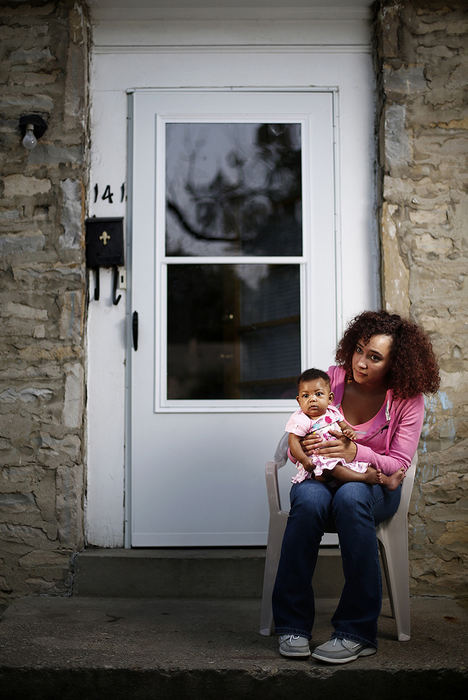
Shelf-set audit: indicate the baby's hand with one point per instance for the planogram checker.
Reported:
(349, 432)
(308, 465)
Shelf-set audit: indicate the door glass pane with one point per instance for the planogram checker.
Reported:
(233, 189)
(233, 331)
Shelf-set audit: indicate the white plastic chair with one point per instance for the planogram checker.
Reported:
(392, 536)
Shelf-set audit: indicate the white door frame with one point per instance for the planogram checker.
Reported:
(115, 69)
(321, 221)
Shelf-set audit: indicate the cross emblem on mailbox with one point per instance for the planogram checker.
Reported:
(104, 237)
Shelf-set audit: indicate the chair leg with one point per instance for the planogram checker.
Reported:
(273, 552)
(383, 559)
(396, 557)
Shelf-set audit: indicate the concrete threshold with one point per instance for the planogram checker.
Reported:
(128, 648)
(189, 573)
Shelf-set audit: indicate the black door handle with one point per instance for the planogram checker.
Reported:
(135, 330)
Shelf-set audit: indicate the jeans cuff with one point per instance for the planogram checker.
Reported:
(292, 630)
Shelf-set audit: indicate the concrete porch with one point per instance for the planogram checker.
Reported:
(131, 645)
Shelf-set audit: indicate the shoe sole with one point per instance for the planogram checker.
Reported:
(295, 654)
(334, 660)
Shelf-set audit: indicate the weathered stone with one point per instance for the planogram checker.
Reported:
(14, 502)
(435, 215)
(432, 245)
(394, 272)
(71, 214)
(22, 311)
(397, 141)
(405, 81)
(44, 46)
(71, 319)
(72, 414)
(39, 560)
(422, 56)
(50, 154)
(28, 394)
(31, 56)
(21, 186)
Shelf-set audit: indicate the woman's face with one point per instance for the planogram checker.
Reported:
(371, 361)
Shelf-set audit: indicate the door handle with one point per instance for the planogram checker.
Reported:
(135, 330)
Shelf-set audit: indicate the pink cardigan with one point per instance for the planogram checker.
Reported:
(396, 440)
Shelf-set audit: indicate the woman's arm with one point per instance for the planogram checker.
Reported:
(406, 427)
(404, 439)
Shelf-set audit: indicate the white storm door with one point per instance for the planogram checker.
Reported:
(233, 281)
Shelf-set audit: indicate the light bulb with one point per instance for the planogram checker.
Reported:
(29, 140)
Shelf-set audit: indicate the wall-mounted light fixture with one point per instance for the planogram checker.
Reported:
(32, 126)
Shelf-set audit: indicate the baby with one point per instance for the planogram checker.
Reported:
(318, 415)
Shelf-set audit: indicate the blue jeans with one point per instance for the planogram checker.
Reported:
(355, 508)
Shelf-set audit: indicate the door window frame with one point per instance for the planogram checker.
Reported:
(161, 403)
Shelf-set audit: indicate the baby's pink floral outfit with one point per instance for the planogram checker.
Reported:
(300, 424)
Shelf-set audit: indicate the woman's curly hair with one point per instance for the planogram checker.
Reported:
(413, 369)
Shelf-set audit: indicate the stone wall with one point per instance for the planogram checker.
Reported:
(421, 64)
(422, 67)
(43, 70)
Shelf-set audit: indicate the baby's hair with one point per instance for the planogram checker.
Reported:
(310, 374)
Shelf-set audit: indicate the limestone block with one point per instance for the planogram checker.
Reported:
(12, 105)
(15, 427)
(395, 274)
(22, 186)
(75, 87)
(27, 10)
(447, 488)
(34, 56)
(435, 146)
(22, 311)
(54, 155)
(61, 276)
(15, 503)
(398, 150)
(71, 218)
(18, 328)
(432, 245)
(434, 216)
(72, 414)
(455, 538)
(421, 193)
(70, 489)
(69, 445)
(404, 81)
(34, 537)
(71, 318)
(39, 332)
(434, 53)
(26, 395)
(46, 353)
(31, 79)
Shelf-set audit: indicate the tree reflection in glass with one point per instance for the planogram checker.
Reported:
(233, 331)
(233, 189)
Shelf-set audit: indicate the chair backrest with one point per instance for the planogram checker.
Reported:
(281, 452)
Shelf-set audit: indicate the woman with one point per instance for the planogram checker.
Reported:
(385, 364)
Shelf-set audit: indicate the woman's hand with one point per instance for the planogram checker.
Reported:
(310, 442)
(341, 448)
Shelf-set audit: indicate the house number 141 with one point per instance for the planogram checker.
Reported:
(108, 194)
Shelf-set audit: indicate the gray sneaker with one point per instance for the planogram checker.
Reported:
(340, 651)
(294, 645)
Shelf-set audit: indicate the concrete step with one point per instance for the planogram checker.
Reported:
(97, 648)
(189, 573)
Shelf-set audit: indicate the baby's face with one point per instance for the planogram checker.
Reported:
(314, 397)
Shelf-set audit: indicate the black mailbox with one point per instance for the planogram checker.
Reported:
(105, 248)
